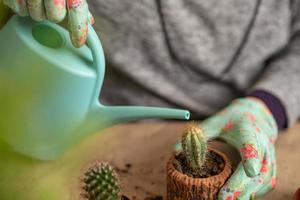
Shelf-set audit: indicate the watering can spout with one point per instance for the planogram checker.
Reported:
(102, 116)
(118, 114)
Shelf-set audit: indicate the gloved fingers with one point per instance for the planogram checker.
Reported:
(267, 187)
(239, 186)
(270, 185)
(273, 155)
(245, 138)
(269, 172)
(18, 6)
(55, 10)
(91, 18)
(78, 21)
(36, 9)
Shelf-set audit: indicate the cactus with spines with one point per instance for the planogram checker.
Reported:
(101, 182)
(194, 146)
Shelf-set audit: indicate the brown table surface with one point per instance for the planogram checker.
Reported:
(140, 150)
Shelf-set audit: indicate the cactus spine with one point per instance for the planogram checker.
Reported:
(194, 145)
(101, 182)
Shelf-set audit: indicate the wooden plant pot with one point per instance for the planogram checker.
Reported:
(297, 195)
(183, 187)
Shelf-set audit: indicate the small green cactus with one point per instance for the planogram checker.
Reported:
(194, 145)
(101, 182)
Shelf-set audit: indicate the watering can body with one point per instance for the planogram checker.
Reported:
(49, 90)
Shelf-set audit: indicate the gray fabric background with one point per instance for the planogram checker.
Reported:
(199, 54)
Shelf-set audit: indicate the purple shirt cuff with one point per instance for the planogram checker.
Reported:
(275, 106)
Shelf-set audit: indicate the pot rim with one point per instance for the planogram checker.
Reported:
(181, 177)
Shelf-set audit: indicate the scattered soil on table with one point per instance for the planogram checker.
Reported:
(213, 165)
(147, 198)
(125, 169)
(124, 198)
(154, 198)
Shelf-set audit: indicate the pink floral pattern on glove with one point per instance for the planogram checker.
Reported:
(248, 151)
(56, 11)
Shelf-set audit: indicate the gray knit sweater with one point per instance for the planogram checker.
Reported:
(199, 54)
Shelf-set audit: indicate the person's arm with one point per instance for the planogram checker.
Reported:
(5, 14)
(282, 76)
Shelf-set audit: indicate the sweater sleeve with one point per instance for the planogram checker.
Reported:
(275, 106)
(282, 75)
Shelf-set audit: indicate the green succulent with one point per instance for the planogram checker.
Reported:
(194, 146)
(101, 182)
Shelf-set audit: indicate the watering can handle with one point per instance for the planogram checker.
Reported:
(93, 42)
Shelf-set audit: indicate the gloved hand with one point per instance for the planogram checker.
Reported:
(56, 10)
(247, 125)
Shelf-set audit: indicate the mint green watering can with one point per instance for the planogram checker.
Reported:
(49, 90)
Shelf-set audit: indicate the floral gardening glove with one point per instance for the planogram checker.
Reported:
(249, 126)
(76, 11)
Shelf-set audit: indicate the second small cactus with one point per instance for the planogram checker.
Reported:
(194, 146)
(101, 183)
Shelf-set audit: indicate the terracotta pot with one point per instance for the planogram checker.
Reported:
(183, 187)
(297, 195)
